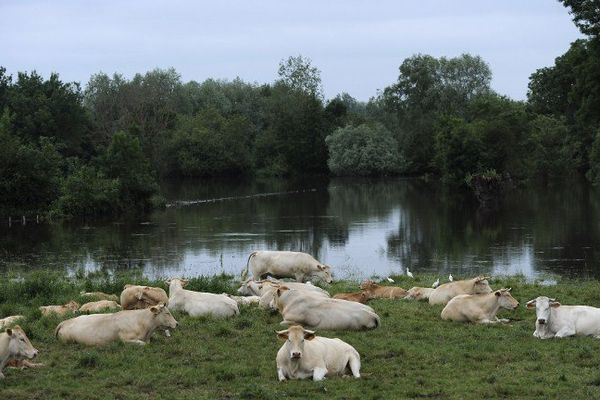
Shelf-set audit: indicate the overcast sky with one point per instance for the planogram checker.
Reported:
(357, 45)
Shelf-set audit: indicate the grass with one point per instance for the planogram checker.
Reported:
(414, 354)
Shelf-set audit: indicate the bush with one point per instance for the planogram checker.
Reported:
(363, 150)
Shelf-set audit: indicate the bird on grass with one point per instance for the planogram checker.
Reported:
(390, 280)
(408, 273)
(436, 283)
(450, 278)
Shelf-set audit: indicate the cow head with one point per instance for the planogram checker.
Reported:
(251, 288)
(177, 282)
(481, 285)
(295, 336)
(324, 272)
(543, 307)
(163, 317)
(505, 299)
(277, 295)
(368, 285)
(72, 306)
(19, 346)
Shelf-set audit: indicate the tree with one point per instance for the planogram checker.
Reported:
(363, 150)
(586, 15)
(299, 74)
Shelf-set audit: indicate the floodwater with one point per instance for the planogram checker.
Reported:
(360, 227)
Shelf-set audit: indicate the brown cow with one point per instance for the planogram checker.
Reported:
(360, 297)
(375, 291)
(71, 306)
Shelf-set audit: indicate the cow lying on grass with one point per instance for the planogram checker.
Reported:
(305, 356)
(15, 345)
(555, 320)
(479, 308)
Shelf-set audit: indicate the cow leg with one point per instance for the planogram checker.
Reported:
(488, 321)
(564, 332)
(135, 341)
(319, 373)
(504, 320)
(280, 375)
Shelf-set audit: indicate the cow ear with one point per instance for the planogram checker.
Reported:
(155, 309)
(320, 267)
(167, 282)
(554, 304)
(283, 335)
(309, 335)
(184, 282)
(530, 304)
(9, 332)
(497, 293)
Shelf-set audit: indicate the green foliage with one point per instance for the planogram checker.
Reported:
(299, 74)
(552, 153)
(586, 15)
(593, 173)
(363, 150)
(209, 144)
(87, 192)
(29, 173)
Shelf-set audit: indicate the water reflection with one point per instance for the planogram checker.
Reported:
(361, 227)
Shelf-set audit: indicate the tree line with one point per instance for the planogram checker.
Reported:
(99, 150)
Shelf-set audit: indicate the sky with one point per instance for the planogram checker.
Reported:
(357, 45)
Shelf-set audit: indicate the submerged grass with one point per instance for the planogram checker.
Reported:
(414, 354)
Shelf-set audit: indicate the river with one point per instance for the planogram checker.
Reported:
(361, 227)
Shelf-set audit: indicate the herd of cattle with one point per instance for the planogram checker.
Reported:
(303, 306)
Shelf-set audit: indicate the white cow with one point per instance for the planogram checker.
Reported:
(304, 355)
(244, 300)
(8, 321)
(479, 308)
(418, 293)
(443, 293)
(319, 312)
(135, 297)
(286, 264)
(556, 320)
(14, 345)
(267, 300)
(199, 303)
(130, 326)
(259, 288)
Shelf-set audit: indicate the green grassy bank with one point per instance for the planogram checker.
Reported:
(414, 354)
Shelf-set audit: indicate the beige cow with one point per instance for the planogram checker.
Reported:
(100, 296)
(244, 300)
(443, 293)
(129, 326)
(479, 308)
(359, 297)
(418, 293)
(8, 321)
(199, 303)
(268, 288)
(136, 297)
(286, 264)
(96, 306)
(71, 306)
(375, 291)
(305, 356)
(319, 312)
(15, 345)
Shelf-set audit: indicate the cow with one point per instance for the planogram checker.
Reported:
(199, 303)
(8, 321)
(71, 306)
(443, 293)
(556, 320)
(244, 300)
(100, 296)
(129, 326)
(319, 312)
(96, 306)
(304, 355)
(359, 297)
(286, 264)
(375, 291)
(136, 297)
(268, 288)
(479, 308)
(259, 288)
(15, 345)
(418, 293)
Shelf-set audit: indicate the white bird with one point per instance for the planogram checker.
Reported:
(450, 278)
(409, 273)
(436, 283)
(390, 280)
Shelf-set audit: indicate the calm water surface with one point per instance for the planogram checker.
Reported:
(360, 227)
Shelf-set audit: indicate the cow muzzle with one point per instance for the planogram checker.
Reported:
(542, 321)
(296, 355)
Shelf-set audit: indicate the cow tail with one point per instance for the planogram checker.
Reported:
(58, 329)
(245, 270)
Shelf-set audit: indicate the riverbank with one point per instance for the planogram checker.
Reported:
(414, 354)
